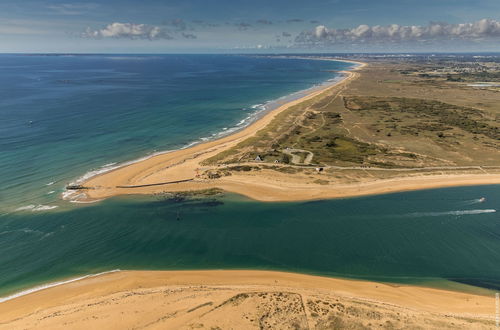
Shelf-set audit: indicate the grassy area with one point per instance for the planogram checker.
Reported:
(426, 115)
(388, 118)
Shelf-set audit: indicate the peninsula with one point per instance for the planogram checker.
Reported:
(389, 125)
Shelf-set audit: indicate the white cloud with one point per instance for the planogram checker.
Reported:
(480, 30)
(128, 31)
(321, 32)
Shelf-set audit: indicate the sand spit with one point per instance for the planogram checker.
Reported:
(242, 299)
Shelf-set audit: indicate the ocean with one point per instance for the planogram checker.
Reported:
(66, 116)
(62, 117)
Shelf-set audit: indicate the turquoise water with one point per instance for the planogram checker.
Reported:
(62, 116)
(412, 237)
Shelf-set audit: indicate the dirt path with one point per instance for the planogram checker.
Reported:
(296, 158)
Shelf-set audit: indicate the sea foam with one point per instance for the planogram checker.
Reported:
(35, 208)
(51, 285)
(458, 212)
(474, 201)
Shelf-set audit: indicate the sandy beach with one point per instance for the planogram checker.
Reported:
(226, 298)
(156, 174)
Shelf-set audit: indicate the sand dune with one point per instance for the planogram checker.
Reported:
(148, 176)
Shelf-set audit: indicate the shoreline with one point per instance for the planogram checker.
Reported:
(95, 288)
(252, 118)
(423, 282)
(49, 285)
(237, 136)
(174, 171)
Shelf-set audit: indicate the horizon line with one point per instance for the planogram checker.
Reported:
(249, 53)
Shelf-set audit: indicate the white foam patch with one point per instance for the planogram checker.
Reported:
(23, 230)
(458, 212)
(67, 195)
(475, 201)
(108, 165)
(44, 207)
(84, 201)
(92, 173)
(258, 106)
(25, 208)
(35, 208)
(51, 285)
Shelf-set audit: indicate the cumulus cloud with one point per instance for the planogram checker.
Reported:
(128, 31)
(321, 32)
(394, 33)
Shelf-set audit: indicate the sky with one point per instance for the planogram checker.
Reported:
(248, 26)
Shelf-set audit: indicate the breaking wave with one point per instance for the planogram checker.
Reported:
(35, 208)
(51, 285)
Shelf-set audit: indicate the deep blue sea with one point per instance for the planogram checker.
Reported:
(64, 116)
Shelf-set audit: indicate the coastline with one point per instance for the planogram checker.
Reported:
(162, 172)
(79, 295)
(107, 181)
(266, 108)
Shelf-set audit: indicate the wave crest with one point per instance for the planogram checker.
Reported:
(35, 208)
(51, 285)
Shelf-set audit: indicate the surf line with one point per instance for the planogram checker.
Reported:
(51, 285)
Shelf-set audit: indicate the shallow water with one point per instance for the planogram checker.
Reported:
(413, 237)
